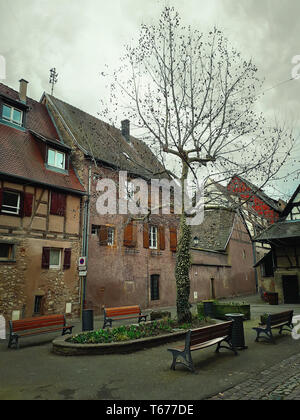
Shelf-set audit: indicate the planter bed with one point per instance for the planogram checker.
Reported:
(222, 308)
(64, 346)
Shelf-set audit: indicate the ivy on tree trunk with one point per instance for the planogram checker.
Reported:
(182, 272)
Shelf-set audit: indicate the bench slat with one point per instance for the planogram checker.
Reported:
(39, 322)
(129, 310)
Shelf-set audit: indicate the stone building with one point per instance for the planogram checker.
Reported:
(131, 259)
(279, 269)
(222, 256)
(40, 202)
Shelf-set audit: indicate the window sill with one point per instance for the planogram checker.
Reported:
(7, 261)
(58, 170)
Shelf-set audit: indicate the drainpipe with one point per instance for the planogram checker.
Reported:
(85, 240)
(254, 259)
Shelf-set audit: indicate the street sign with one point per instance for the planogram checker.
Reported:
(82, 264)
(82, 273)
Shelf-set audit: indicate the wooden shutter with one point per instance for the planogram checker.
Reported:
(173, 239)
(162, 242)
(67, 258)
(58, 204)
(27, 205)
(46, 258)
(130, 235)
(103, 235)
(146, 236)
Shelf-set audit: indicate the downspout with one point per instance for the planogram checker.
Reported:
(86, 234)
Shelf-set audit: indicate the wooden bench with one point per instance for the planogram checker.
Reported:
(278, 320)
(123, 312)
(35, 326)
(201, 338)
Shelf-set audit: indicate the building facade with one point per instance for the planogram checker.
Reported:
(279, 270)
(40, 212)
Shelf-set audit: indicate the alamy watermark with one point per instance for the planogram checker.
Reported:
(166, 197)
(2, 68)
(296, 68)
(2, 328)
(296, 329)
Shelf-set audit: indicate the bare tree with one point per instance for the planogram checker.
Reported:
(192, 98)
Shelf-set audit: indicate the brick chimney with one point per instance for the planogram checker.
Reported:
(23, 90)
(126, 130)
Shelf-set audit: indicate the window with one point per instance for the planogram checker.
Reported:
(55, 258)
(56, 159)
(95, 230)
(38, 304)
(110, 236)
(12, 114)
(11, 202)
(6, 252)
(153, 237)
(155, 287)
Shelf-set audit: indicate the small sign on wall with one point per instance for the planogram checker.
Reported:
(15, 315)
(68, 308)
(195, 295)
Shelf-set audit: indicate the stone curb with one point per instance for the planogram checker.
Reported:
(62, 347)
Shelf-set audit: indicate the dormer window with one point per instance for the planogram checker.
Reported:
(56, 159)
(12, 114)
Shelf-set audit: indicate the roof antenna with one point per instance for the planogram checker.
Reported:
(53, 79)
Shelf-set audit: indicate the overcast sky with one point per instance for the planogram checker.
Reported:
(80, 37)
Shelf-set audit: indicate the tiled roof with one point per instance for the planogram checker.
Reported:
(105, 143)
(215, 231)
(280, 230)
(20, 154)
(261, 194)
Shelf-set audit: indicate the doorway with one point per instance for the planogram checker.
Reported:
(290, 289)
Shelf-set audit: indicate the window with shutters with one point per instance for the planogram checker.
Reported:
(95, 230)
(11, 202)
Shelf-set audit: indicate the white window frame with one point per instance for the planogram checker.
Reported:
(110, 236)
(153, 237)
(55, 267)
(55, 165)
(12, 109)
(17, 212)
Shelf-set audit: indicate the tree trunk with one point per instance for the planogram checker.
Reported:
(183, 262)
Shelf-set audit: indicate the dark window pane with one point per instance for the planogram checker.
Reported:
(5, 251)
(155, 287)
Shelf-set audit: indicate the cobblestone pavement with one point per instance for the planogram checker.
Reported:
(280, 382)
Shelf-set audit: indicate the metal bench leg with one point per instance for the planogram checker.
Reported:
(13, 341)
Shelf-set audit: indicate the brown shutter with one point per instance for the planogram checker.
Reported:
(58, 204)
(46, 258)
(130, 235)
(103, 235)
(162, 242)
(146, 236)
(27, 206)
(67, 258)
(173, 239)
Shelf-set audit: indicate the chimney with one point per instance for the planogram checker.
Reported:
(126, 130)
(23, 90)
